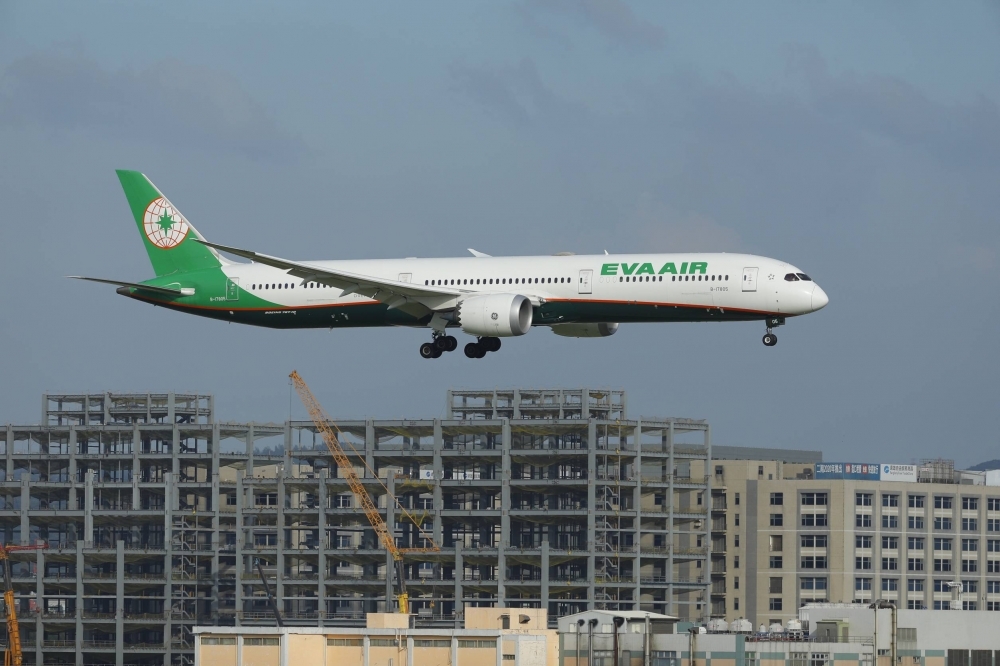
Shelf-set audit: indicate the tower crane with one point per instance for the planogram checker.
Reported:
(12, 657)
(326, 427)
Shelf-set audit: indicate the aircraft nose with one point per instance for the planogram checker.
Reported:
(819, 298)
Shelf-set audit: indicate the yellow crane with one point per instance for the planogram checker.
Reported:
(12, 657)
(326, 427)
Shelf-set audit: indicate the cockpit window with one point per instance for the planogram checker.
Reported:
(803, 276)
(790, 277)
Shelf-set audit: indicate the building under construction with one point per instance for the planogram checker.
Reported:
(156, 516)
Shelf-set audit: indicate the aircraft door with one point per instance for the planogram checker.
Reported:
(233, 289)
(586, 277)
(406, 277)
(749, 279)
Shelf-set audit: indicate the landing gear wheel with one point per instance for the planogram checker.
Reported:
(452, 343)
(770, 339)
(490, 344)
(429, 350)
(475, 350)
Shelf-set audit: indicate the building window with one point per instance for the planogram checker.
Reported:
(970, 545)
(970, 524)
(993, 587)
(863, 563)
(774, 604)
(814, 499)
(736, 519)
(890, 500)
(814, 562)
(260, 640)
(777, 499)
(775, 586)
(862, 584)
(863, 499)
(890, 564)
(736, 499)
(914, 604)
(993, 525)
(915, 522)
(969, 605)
(736, 582)
(890, 584)
(943, 524)
(890, 542)
(863, 541)
(814, 520)
(942, 565)
(970, 566)
(993, 545)
(890, 522)
(775, 561)
(915, 543)
(916, 501)
(915, 564)
(970, 504)
(942, 544)
(914, 584)
(775, 543)
(993, 503)
(941, 586)
(736, 561)
(942, 502)
(814, 541)
(993, 566)
(777, 520)
(736, 603)
(345, 642)
(970, 586)
(863, 520)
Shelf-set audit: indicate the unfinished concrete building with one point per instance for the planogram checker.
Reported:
(156, 516)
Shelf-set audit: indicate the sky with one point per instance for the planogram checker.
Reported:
(858, 141)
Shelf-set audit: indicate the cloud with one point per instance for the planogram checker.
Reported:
(515, 93)
(168, 102)
(613, 19)
(667, 230)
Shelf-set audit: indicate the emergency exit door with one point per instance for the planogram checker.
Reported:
(586, 277)
(749, 279)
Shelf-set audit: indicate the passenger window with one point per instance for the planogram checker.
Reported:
(804, 277)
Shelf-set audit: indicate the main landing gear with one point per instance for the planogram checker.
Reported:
(441, 343)
(482, 347)
(770, 339)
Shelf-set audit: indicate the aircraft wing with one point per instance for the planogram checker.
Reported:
(395, 294)
(167, 291)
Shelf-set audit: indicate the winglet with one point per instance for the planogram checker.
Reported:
(476, 253)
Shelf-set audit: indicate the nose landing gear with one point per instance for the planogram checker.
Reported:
(770, 339)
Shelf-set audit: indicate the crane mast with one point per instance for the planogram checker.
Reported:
(323, 424)
(13, 656)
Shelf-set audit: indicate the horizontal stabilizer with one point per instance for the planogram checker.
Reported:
(167, 291)
(477, 253)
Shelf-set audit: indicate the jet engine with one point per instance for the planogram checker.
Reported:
(601, 330)
(495, 315)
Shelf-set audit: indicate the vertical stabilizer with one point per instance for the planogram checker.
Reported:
(166, 234)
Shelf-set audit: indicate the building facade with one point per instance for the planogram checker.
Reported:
(919, 545)
(157, 517)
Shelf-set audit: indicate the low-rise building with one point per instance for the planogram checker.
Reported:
(489, 637)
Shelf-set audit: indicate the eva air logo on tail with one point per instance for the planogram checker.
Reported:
(164, 226)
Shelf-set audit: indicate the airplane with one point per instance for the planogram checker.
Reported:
(489, 298)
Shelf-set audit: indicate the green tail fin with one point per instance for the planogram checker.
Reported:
(166, 233)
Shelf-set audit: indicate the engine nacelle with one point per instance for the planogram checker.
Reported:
(601, 330)
(495, 315)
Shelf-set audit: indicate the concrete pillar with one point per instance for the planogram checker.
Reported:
(279, 558)
(504, 510)
(459, 593)
(39, 604)
(324, 475)
(707, 606)
(240, 537)
(671, 609)
(544, 593)
(591, 509)
(25, 505)
(438, 466)
(79, 602)
(119, 601)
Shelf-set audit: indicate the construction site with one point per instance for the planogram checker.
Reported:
(132, 518)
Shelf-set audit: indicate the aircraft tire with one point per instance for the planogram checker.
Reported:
(474, 350)
(770, 339)
(427, 350)
(490, 344)
(452, 343)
